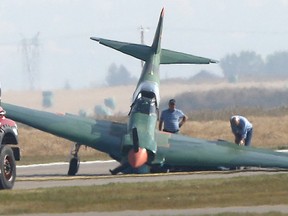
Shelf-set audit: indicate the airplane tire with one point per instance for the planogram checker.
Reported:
(8, 168)
(73, 166)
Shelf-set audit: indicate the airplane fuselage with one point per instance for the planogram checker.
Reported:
(144, 110)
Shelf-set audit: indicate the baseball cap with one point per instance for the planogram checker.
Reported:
(172, 101)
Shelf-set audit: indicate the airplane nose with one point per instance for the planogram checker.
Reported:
(137, 158)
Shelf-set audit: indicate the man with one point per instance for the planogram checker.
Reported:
(242, 130)
(172, 118)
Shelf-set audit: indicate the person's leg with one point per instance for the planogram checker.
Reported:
(249, 138)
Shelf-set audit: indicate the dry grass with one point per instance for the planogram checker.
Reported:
(74, 100)
(269, 132)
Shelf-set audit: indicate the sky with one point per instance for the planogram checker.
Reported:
(206, 28)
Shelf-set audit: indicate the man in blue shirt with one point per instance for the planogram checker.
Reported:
(172, 118)
(242, 130)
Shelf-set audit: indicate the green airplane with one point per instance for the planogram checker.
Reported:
(137, 145)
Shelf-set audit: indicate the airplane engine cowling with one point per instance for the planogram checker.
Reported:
(137, 158)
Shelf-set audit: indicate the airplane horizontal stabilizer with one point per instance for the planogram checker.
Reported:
(143, 53)
(138, 51)
(173, 57)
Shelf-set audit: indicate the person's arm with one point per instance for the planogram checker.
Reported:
(183, 120)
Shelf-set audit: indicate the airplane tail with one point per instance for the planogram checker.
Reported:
(156, 45)
(143, 52)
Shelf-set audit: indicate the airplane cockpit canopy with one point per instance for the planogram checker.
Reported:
(147, 89)
(144, 105)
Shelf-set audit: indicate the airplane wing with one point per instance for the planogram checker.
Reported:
(175, 152)
(102, 135)
(183, 152)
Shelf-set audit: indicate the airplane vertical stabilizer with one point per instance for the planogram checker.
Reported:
(156, 46)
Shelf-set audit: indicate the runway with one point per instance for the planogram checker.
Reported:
(97, 173)
(55, 174)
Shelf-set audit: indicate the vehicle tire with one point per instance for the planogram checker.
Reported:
(7, 168)
(73, 166)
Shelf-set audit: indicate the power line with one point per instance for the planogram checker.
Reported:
(31, 57)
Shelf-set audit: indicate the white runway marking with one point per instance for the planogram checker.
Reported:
(63, 163)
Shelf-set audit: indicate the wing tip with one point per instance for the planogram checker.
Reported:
(214, 61)
(95, 38)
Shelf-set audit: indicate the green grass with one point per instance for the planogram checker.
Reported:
(182, 194)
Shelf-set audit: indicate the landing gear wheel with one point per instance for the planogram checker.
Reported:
(8, 168)
(73, 166)
(74, 161)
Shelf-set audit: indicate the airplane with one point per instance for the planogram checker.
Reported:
(138, 145)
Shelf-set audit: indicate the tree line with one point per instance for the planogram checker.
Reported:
(248, 65)
(245, 66)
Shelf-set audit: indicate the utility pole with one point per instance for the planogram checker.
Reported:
(142, 30)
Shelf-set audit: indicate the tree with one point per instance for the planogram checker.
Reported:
(244, 66)
(277, 65)
(229, 65)
(119, 76)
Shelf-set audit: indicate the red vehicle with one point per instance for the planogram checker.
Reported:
(9, 151)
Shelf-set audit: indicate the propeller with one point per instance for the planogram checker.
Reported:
(137, 156)
(135, 139)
